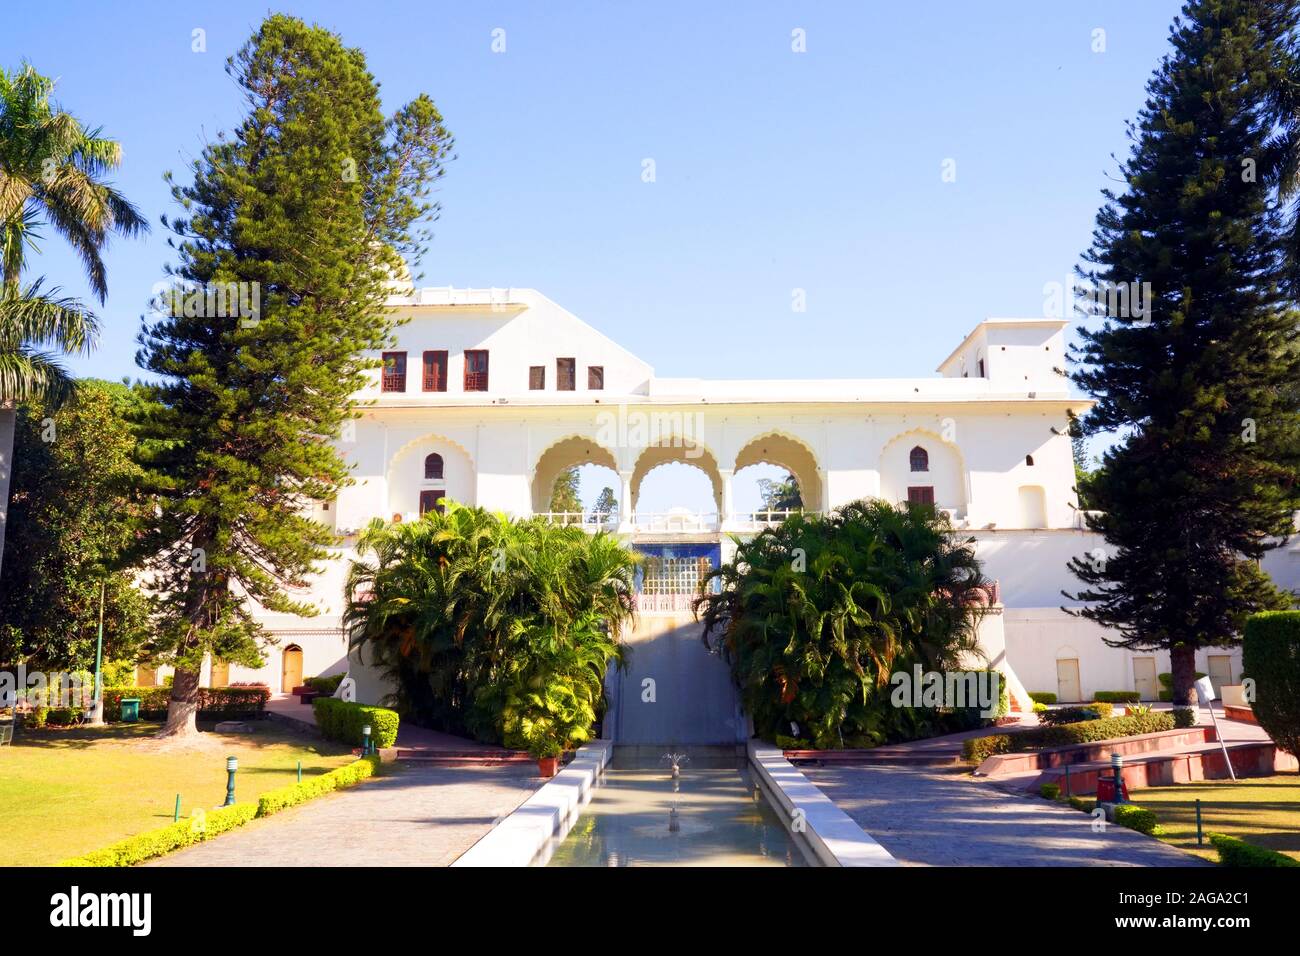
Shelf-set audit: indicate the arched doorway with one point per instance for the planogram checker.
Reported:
(291, 668)
(784, 456)
(689, 492)
(582, 497)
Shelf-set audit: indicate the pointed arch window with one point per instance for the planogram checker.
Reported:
(919, 459)
(433, 467)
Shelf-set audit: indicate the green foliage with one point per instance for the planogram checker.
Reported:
(1184, 717)
(497, 628)
(606, 503)
(977, 749)
(1073, 715)
(1234, 852)
(343, 721)
(174, 836)
(1049, 791)
(1117, 696)
(73, 518)
(223, 702)
(564, 495)
(1136, 818)
(273, 801)
(1271, 656)
(816, 614)
(782, 495)
(1042, 697)
(307, 207)
(324, 685)
(1200, 384)
(1082, 804)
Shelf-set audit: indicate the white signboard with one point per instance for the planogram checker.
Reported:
(1205, 690)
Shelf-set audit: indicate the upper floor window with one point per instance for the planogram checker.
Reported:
(565, 374)
(476, 370)
(981, 368)
(433, 466)
(595, 377)
(394, 373)
(435, 371)
(433, 501)
(537, 377)
(919, 459)
(921, 495)
(1029, 460)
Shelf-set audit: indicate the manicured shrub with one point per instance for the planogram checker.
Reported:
(324, 685)
(36, 717)
(1117, 696)
(1042, 696)
(1167, 684)
(1184, 717)
(1082, 804)
(977, 749)
(1102, 709)
(273, 801)
(62, 716)
(342, 721)
(154, 843)
(214, 702)
(1049, 791)
(1234, 852)
(1136, 818)
(793, 743)
(1271, 656)
(1074, 715)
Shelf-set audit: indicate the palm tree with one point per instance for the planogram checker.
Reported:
(51, 172)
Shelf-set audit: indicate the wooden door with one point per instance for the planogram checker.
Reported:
(220, 674)
(1220, 672)
(1067, 680)
(291, 669)
(1144, 678)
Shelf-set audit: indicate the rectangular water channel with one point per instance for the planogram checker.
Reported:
(712, 814)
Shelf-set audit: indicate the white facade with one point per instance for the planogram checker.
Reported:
(992, 428)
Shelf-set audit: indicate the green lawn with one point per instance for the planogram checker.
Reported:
(66, 792)
(1264, 811)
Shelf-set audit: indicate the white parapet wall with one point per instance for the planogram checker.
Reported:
(517, 839)
(831, 833)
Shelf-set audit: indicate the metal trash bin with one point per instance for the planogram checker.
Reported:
(130, 710)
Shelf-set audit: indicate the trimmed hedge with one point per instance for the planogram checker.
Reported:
(977, 749)
(174, 836)
(1117, 696)
(273, 801)
(1042, 697)
(224, 702)
(185, 833)
(1270, 654)
(342, 721)
(1234, 852)
(1049, 791)
(324, 685)
(1074, 715)
(1136, 818)
(1184, 717)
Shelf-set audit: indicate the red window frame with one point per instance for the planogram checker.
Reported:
(393, 374)
(435, 370)
(476, 379)
(566, 374)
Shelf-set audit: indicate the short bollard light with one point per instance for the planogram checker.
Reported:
(365, 740)
(176, 814)
(232, 764)
(300, 771)
(1200, 834)
(1117, 764)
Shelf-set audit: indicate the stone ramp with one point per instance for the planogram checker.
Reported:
(694, 701)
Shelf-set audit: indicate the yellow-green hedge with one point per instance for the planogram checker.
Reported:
(185, 833)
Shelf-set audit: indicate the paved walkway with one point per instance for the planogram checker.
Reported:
(936, 818)
(409, 816)
(409, 736)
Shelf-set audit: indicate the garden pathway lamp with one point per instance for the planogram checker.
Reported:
(365, 740)
(232, 764)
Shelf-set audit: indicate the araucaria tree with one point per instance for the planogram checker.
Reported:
(287, 235)
(1205, 477)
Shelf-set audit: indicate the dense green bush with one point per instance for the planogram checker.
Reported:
(63, 716)
(494, 628)
(273, 801)
(1049, 791)
(1234, 852)
(875, 590)
(1073, 715)
(1042, 696)
(324, 685)
(183, 833)
(1167, 684)
(343, 721)
(1271, 656)
(1136, 818)
(214, 702)
(1117, 696)
(1184, 717)
(977, 749)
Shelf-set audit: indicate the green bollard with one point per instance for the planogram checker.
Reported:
(300, 771)
(1200, 837)
(232, 765)
(176, 814)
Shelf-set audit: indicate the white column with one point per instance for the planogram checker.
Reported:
(625, 502)
(728, 505)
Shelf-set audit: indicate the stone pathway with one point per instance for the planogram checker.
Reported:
(936, 818)
(409, 816)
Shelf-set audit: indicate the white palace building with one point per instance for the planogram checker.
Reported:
(488, 395)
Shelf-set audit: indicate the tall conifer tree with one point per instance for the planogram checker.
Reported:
(287, 235)
(1205, 476)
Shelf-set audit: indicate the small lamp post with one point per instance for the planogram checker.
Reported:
(365, 740)
(1117, 765)
(232, 764)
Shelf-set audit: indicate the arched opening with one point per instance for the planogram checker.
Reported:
(433, 466)
(676, 487)
(291, 668)
(425, 474)
(570, 481)
(919, 459)
(920, 467)
(774, 471)
(1029, 460)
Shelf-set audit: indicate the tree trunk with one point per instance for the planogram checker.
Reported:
(8, 420)
(1182, 660)
(182, 706)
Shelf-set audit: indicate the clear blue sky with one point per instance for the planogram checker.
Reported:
(775, 170)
